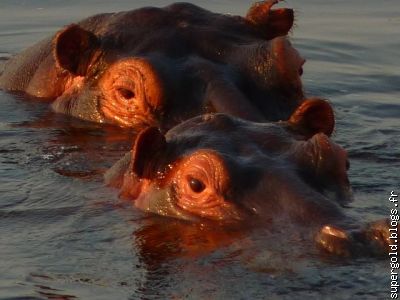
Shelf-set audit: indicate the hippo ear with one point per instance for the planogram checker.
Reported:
(149, 144)
(270, 22)
(74, 48)
(313, 116)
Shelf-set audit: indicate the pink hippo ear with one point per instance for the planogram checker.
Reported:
(270, 22)
(74, 48)
(149, 145)
(313, 116)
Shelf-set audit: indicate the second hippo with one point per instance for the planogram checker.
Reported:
(217, 168)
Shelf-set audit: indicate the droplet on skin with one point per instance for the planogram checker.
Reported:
(334, 231)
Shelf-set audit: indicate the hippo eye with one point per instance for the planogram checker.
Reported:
(347, 165)
(196, 185)
(126, 94)
(301, 71)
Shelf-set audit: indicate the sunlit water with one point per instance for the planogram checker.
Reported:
(63, 234)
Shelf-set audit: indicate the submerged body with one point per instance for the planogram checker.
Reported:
(159, 66)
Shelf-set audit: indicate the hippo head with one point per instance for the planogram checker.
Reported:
(159, 66)
(219, 167)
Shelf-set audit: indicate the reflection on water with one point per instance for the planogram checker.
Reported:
(63, 235)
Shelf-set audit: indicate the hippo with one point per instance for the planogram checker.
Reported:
(160, 66)
(222, 169)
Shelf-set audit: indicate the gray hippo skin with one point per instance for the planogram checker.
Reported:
(159, 66)
(218, 168)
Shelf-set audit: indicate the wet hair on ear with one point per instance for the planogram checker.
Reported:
(149, 143)
(74, 48)
(313, 116)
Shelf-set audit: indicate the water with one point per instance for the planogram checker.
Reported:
(63, 235)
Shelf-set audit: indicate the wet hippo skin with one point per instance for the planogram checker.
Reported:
(218, 168)
(159, 66)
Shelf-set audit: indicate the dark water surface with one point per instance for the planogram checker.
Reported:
(63, 235)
